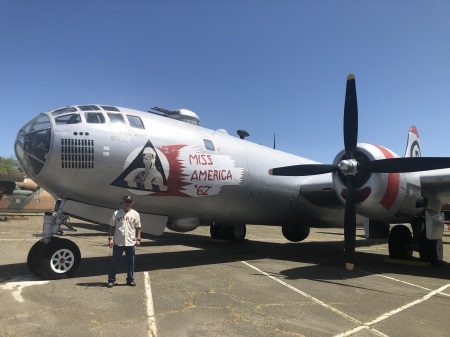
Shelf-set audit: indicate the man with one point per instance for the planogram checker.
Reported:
(124, 235)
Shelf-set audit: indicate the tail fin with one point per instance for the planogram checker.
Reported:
(413, 145)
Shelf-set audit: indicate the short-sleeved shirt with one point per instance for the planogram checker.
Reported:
(125, 224)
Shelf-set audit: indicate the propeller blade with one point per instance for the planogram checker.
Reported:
(410, 164)
(350, 117)
(350, 224)
(303, 170)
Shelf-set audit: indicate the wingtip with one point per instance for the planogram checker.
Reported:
(350, 77)
(271, 172)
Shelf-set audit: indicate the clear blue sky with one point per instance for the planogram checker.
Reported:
(266, 66)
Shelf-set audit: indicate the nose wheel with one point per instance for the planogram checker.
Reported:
(58, 259)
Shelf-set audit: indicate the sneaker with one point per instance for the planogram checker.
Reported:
(131, 284)
(110, 284)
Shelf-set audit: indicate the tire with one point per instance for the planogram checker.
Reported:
(400, 243)
(238, 233)
(234, 233)
(295, 233)
(32, 258)
(431, 250)
(215, 232)
(59, 259)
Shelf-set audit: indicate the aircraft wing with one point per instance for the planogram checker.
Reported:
(436, 184)
(320, 190)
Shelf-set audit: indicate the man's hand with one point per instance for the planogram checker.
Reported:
(138, 242)
(111, 243)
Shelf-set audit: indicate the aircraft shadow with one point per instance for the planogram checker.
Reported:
(324, 260)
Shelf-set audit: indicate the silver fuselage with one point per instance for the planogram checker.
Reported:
(201, 173)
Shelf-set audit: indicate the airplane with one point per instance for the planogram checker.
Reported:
(183, 176)
(19, 194)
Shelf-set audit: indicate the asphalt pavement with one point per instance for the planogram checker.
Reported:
(189, 285)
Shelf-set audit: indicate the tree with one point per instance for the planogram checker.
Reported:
(8, 165)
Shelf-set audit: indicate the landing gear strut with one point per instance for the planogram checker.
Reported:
(53, 257)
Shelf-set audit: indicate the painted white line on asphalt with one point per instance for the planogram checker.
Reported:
(17, 283)
(340, 313)
(393, 279)
(336, 311)
(395, 311)
(150, 309)
(404, 282)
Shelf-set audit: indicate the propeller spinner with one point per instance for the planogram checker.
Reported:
(350, 167)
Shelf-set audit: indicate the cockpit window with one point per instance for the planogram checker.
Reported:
(208, 145)
(135, 122)
(109, 108)
(33, 144)
(94, 117)
(116, 118)
(39, 123)
(64, 110)
(68, 119)
(88, 108)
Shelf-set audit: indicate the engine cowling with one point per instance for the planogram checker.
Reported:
(183, 225)
(389, 197)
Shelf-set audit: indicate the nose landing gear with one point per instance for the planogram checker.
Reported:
(52, 257)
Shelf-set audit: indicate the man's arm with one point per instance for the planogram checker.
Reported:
(138, 236)
(111, 236)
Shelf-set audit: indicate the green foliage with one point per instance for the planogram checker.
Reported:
(8, 165)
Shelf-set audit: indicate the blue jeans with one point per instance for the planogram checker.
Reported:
(117, 253)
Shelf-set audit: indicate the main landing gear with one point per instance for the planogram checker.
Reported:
(402, 243)
(235, 233)
(52, 257)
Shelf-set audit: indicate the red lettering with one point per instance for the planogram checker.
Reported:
(204, 162)
(191, 157)
(194, 176)
(203, 175)
(203, 190)
(229, 175)
(201, 159)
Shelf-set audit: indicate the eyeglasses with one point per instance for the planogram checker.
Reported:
(128, 201)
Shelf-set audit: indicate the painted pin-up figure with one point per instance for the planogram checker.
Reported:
(148, 177)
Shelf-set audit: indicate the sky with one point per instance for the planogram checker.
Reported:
(270, 67)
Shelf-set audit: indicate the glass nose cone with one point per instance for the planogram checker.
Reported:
(33, 144)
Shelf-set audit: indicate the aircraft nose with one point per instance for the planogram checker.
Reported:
(32, 145)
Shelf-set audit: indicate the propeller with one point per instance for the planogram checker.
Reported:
(350, 167)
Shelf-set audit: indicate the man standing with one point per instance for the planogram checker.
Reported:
(124, 235)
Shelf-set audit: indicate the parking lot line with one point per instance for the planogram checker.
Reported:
(150, 308)
(395, 311)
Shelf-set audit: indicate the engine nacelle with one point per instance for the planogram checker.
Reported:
(183, 225)
(388, 197)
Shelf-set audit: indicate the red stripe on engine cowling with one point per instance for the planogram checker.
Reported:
(393, 184)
